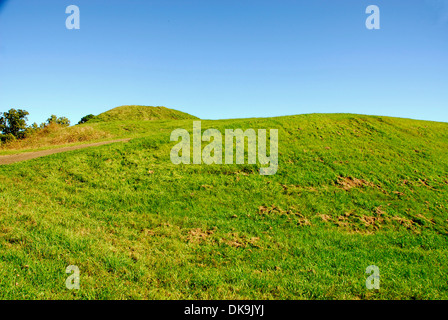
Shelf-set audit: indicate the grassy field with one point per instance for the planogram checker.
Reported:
(351, 191)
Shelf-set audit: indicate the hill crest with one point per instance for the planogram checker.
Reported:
(144, 113)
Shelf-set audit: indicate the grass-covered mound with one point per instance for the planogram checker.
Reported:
(351, 191)
(142, 113)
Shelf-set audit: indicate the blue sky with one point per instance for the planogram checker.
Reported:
(225, 59)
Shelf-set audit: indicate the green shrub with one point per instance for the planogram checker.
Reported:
(9, 137)
(63, 121)
(86, 118)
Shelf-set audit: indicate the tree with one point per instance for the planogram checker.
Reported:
(86, 118)
(13, 122)
(52, 119)
(63, 121)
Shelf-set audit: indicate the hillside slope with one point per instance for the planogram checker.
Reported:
(351, 191)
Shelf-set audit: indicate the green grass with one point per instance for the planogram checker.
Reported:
(350, 191)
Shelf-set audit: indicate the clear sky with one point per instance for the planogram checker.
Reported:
(225, 58)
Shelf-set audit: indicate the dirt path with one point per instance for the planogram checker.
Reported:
(8, 159)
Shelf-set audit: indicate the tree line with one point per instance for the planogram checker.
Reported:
(13, 124)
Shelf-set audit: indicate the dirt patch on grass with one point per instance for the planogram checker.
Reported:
(290, 214)
(325, 217)
(294, 189)
(370, 223)
(240, 241)
(404, 222)
(198, 235)
(348, 183)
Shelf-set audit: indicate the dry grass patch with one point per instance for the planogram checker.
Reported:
(291, 214)
(348, 183)
(54, 135)
(198, 235)
(236, 240)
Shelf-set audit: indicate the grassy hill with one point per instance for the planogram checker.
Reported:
(351, 191)
(141, 113)
(122, 121)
